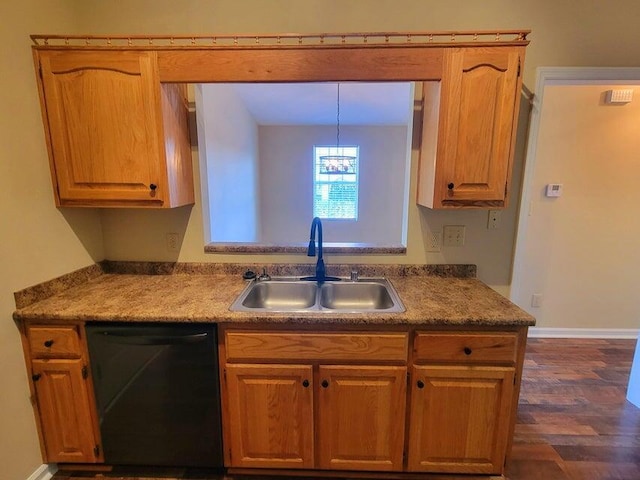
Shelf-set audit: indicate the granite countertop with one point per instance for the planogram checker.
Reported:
(206, 297)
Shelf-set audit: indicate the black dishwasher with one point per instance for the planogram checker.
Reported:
(157, 393)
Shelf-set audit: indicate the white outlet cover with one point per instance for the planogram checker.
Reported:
(434, 241)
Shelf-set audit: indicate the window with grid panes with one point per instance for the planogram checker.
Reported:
(335, 182)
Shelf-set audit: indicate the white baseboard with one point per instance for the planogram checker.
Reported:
(541, 332)
(44, 472)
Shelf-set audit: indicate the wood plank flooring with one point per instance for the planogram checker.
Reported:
(574, 422)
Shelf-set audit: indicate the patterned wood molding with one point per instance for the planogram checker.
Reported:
(286, 40)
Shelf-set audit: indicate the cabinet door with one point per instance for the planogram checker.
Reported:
(65, 411)
(270, 410)
(361, 417)
(459, 418)
(104, 118)
(478, 112)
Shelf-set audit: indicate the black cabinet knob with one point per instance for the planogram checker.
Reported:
(324, 384)
(305, 383)
(35, 377)
(420, 384)
(48, 343)
(450, 186)
(153, 186)
(467, 351)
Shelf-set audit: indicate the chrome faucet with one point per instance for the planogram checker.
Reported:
(320, 276)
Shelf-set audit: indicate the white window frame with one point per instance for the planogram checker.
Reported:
(348, 178)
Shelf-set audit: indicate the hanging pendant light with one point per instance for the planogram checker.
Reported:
(338, 163)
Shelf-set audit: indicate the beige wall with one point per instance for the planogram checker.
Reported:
(581, 249)
(286, 183)
(231, 137)
(564, 34)
(40, 241)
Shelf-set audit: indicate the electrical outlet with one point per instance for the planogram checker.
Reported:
(434, 240)
(454, 236)
(173, 240)
(536, 300)
(495, 216)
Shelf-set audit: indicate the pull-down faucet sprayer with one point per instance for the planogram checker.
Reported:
(320, 276)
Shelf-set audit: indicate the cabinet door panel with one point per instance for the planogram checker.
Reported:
(478, 115)
(65, 411)
(270, 415)
(361, 417)
(459, 418)
(103, 114)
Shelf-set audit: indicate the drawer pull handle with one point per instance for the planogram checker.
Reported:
(325, 384)
(450, 186)
(48, 343)
(305, 383)
(467, 351)
(420, 384)
(35, 377)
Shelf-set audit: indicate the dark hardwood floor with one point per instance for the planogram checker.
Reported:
(574, 422)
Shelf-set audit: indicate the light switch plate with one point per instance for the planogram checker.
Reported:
(554, 190)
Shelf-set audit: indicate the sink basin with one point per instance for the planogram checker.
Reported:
(280, 295)
(355, 296)
(294, 295)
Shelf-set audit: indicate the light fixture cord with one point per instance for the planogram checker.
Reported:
(338, 122)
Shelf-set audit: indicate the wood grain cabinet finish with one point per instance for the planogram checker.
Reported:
(54, 342)
(358, 381)
(63, 395)
(65, 411)
(270, 415)
(321, 400)
(469, 122)
(460, 417)
(466, 348)
(361, 416)
(116, 136)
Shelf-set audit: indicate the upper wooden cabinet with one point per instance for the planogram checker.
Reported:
(116, 135)
(468, 128)
(116, 122)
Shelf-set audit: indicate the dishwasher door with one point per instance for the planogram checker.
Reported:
(157, 392)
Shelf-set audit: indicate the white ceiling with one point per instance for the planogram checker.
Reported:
(316, 103)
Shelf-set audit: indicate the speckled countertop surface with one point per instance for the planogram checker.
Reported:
(429, 300)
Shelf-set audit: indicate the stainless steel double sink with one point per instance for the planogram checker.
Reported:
(288, 294)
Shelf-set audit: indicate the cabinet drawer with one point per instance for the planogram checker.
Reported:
(466, 347)
(46, 342)
(246, 346)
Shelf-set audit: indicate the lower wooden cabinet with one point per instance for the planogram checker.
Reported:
(361, 416)
(63, 395)
(270, 415)
(65, 410)
(315, 399)
(334, 400)
(460, 418)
